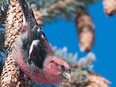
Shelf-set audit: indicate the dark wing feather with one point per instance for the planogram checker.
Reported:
(34, 53)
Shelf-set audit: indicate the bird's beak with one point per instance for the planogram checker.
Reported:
(67, 76)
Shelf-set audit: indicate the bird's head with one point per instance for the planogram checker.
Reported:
(57, 67)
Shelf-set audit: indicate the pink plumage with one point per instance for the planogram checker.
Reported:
(34, 55)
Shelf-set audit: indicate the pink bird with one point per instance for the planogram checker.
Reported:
(34, 55)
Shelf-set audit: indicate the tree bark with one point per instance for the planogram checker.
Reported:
(85, 29)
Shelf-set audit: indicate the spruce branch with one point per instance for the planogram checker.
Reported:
(2, 34)
(61, 8)
(82, 73)
(3, 9)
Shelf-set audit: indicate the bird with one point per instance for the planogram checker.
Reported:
(34, 55)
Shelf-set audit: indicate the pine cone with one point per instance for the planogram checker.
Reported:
(97, 81)
(109, 7)
(14, 22)
(85, 29)
(11, 76)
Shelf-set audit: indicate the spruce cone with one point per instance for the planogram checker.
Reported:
(109, 7)
(11, 76)
(14, 22)
(97, 81)
(85, 29)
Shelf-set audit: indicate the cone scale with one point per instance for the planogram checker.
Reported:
(10, 76)
(14, 20)
(97, 81)
(109, 7)
(85, 29)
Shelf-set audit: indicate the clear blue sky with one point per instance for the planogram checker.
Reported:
(63, 33)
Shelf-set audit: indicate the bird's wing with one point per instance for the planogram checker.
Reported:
(32, 42)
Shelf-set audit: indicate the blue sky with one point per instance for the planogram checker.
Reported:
(63, 33)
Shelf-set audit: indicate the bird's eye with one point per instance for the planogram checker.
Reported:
(62, 68)
(43, 35)
(51, 61)
(69, 70)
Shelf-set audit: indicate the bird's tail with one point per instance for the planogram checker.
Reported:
(27, 11)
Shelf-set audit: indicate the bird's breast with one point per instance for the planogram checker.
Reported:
(40, 76)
